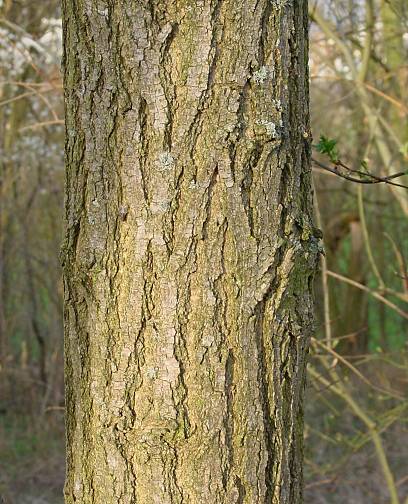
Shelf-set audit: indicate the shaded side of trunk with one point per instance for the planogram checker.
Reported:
(189, 250)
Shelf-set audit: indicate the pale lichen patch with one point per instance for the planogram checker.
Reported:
(165, 160)
(268, 127)
(152, 373)
(261, 75)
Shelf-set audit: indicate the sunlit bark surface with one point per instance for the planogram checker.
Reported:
(189, 250)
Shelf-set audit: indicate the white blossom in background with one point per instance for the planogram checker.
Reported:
(405, 40)
(18, 49)
(378, 26)
(34, 147)
(52, 40)
(361, 36)
(13, 54)
(341, 67)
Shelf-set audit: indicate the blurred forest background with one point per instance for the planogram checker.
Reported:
(356, 434)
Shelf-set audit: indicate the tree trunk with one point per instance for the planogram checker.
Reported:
(189, 250)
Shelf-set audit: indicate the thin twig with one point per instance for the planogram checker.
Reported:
(370, 424)
(42, 124)
(325, 286)
(374, 179)
(355, 370)
(370, 291)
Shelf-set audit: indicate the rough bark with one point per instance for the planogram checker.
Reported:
(189, 250)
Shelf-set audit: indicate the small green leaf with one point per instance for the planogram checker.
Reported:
(328, 146)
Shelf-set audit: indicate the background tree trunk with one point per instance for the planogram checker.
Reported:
(189, 250)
